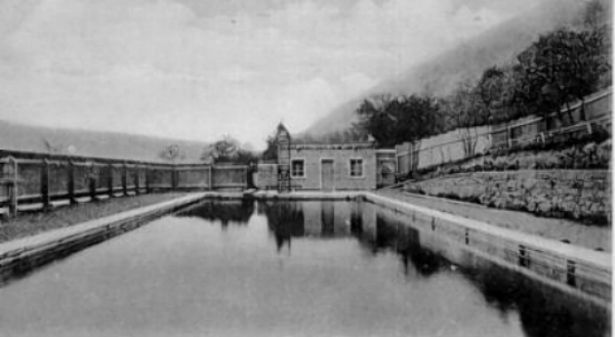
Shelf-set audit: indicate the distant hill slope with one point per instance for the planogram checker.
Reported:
(441, 75)
(89, 143)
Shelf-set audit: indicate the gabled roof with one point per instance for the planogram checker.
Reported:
(282, 129)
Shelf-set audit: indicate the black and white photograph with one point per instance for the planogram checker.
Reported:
(306, 168)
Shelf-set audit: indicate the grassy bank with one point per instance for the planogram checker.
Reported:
(27, 224)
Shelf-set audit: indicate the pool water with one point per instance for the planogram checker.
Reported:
(311, 268)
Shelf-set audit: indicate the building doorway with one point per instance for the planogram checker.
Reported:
(327, 172)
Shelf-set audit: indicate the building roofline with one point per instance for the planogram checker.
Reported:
(339, 146)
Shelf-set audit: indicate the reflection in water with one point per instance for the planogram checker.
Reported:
(375, 232)
(285, 220)
(355, 270)
(327, 216)
(543, 310)
(294, 219)
(236, 211)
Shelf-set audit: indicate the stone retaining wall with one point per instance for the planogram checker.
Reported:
(578, 194)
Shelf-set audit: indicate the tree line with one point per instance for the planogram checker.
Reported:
(225, 150)
(559, 67)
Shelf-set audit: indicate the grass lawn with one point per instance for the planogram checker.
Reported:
(30, 223)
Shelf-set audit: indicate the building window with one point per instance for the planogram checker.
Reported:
(356, 167)
(297, 168)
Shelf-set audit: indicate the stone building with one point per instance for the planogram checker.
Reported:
(326, 167)
(331, 167)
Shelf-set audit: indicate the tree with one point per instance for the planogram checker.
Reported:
(375, 121)
(563, 66)
(271, 152)
(501, 90)
(171, 153)
(395, 120)
(490, 89)
(464, 110)
(228, 150)
(222, 150)
(244, 157)
(51, 148)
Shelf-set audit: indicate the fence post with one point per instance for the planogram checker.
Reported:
(11, 175)
(45, 199)
(92, 181)
(71, 183)
(110, 180)
(136, 179)
(148, 178)
(174, 177)
(124, 180)
(524, 256)
(245, 176)
(211, 179)
(571, 279)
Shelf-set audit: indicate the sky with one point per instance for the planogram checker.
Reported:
(201, 69)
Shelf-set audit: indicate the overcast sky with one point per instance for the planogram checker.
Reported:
(197, 69)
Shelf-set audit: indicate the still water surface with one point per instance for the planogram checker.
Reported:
(230, 268)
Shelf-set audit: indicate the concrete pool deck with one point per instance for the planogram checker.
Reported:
(575, 233)
(573, 268)
(21, 255)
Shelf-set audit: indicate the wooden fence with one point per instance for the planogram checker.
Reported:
(35, 180)
(464, 143)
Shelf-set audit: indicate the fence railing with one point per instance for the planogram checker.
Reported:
(583, 117)
(413, 157)
(30, 180)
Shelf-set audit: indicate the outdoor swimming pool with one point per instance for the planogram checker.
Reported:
(246, 268)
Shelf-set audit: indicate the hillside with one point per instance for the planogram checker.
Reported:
(441, 74)
(89, 143)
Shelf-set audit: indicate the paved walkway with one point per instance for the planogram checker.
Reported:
(592, 237)
(13, 247)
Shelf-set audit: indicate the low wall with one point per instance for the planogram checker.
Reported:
(37, 180)
(266, 176)
(577, 194)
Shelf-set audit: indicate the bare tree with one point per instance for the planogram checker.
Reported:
(50, 147)
(171, 153)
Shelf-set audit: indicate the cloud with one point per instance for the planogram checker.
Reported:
(195, 70)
